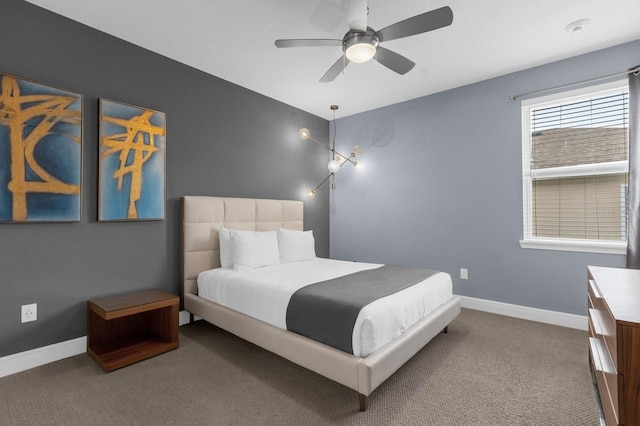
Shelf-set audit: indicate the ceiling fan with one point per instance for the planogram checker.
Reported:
(361, 43)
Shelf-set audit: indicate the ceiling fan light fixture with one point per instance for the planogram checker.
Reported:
(360, 47)
(360, 43)
(361, 52)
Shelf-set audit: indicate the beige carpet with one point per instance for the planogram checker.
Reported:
(488, 370)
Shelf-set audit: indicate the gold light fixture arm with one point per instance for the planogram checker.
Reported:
(312, 192)
(337, 159)
(343, 157)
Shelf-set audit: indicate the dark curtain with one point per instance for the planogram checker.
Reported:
(633, 237)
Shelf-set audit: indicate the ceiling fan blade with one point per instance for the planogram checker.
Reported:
(356, 12)
(394, 61)
(335, 69)
(428, 21)
(308, 42)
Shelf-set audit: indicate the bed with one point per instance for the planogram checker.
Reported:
(201, 219)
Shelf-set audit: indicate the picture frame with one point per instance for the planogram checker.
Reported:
(132, 161)
(41, 129)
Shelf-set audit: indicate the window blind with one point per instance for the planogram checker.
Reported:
(578, 159)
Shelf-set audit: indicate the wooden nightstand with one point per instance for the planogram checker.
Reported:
(130, 327)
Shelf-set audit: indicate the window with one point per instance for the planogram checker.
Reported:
(575, 170)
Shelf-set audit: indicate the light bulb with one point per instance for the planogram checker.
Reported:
(311, 194)
(304, 134)
(357, 151)
(333, 166)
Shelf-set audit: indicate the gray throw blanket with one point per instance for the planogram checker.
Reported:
(327, 311)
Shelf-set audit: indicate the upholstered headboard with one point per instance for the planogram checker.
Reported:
(202, 217)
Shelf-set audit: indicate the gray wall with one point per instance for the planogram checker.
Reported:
(442, 188)
(222, 140)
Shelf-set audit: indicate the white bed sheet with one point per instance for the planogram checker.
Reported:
(264, 294)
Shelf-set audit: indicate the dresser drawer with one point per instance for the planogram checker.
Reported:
(604, 324)
(607, 379)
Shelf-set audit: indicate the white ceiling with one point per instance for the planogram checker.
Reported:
(234, 40)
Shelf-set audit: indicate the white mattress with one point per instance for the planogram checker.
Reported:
(264, 294)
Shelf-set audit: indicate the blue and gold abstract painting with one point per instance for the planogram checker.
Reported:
(40, 152)
(132, 162)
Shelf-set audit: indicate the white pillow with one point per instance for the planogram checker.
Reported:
(254, 249)
(226, 249)
(296, 246)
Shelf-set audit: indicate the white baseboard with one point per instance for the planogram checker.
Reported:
(22, 361)
(183, 318)
(16, 363)
(524, 312)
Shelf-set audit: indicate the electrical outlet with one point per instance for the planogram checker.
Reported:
(464, 274)
(29, 312)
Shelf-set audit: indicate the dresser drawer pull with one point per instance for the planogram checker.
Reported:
(595, 289)
(595, 354)
(601, 359)
(593, 315)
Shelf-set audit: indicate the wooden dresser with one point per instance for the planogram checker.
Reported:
(614, 341)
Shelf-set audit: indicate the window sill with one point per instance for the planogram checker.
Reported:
(589, 246)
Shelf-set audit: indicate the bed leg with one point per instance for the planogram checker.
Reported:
(363, 401)
(446, 329)
(191, 319)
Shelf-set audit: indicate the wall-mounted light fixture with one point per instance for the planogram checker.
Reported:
(337, 160)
